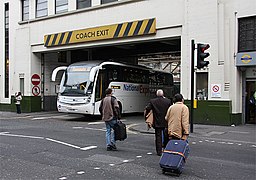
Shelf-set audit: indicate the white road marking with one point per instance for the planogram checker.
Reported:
(94, 123)
(149, 153)
(62, 178)
(88, 147)
(129, 126)
(97, 168)
(63, 143)
(254, 146)
(77, 127)
(97, 129)
(239, 132)
(22, 136)
(4, 132)
(40, 118)
(193, 142)
(222, 142)
(48, 117)
(125, 161)
(111, 164)
(71, 145)
(80, 172)
(138, 156)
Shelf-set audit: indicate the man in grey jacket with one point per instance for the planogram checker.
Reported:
(109, 110)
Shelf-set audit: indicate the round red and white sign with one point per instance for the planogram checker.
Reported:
(35, 90)
(215, 88)
(35, 79)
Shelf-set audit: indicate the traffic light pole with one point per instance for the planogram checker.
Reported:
(192, 84)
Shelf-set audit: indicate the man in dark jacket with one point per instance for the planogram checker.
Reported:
(159, 106)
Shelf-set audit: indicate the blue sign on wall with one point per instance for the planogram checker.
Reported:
(246, 59)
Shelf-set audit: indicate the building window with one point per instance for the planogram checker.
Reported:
(6, 54)
(84, 4)
(41, 8)
(107, 1)
(25, 10)
(202, 86)
(61, 6)
(247, 34)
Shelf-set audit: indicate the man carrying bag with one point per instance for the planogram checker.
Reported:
(109, 110)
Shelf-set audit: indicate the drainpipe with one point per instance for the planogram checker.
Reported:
(244, 93)
(42, 81)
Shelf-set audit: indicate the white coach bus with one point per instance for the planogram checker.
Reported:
(83, 85)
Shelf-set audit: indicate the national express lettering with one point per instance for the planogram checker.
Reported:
(131, 87)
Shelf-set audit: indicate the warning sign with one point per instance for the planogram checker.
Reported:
(215, 90)
(35, 90)
(35, 79)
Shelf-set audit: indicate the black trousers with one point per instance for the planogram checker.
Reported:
(161, 139)
(18, 108)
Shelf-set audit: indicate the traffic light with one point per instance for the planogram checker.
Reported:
(201, 55)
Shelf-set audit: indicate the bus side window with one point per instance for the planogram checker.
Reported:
(115, 75)
(110, 75)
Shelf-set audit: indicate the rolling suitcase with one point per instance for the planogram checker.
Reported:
(120, 131)
(174, 156)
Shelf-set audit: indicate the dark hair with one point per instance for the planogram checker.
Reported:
(18, 94)
(108, 91)
(177, 98)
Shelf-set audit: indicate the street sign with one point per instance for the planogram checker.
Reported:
(35, 90)
(35, 79)
(215, 90)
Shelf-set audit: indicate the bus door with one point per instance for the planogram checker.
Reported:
(101, 85)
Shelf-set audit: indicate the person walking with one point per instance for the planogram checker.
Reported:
(109, 110)
(18, 99)
(159, 106)
(177, 118)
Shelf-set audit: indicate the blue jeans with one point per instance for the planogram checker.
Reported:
(110, 137)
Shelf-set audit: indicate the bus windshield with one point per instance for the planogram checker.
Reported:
(75, 82)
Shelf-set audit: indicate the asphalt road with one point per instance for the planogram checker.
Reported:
(62, 146)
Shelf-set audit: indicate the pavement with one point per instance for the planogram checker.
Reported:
(241, 133)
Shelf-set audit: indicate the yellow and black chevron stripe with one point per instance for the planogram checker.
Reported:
(57, 39)
(127, 29)
(135, 28)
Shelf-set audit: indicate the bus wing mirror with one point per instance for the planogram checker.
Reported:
(92, 73)
(56, 70)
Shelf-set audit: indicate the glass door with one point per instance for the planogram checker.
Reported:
(250, 107)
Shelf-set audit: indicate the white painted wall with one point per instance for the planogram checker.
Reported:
(215, 22)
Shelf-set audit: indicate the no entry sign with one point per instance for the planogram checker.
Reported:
(35, 79)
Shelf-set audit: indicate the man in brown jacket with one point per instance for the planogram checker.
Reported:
(109, 110)
(177, 117)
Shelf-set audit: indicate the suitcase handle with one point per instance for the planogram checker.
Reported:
(175, 152)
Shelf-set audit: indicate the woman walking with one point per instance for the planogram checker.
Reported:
(18, 99)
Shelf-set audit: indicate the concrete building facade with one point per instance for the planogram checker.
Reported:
(39, 35)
